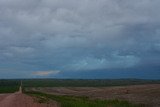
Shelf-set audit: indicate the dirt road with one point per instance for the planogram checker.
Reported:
(18, 99)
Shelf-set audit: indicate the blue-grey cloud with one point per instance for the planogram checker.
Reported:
(77, 36)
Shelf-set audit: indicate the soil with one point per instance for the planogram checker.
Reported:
(18, 99)
(148, 95)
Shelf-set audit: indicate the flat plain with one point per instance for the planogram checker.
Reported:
(80, 93)
(147, 95)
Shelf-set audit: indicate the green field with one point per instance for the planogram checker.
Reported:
(74, 101)
(9, 86)
(85, 82)
(12, 85)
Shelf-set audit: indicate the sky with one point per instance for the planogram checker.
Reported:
(80, 39)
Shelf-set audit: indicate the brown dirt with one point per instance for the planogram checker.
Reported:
(19, 99)
(148, 95)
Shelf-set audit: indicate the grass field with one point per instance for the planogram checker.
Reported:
(9, 86)
(74, 101)
(85, 82)
(9, 89)
(147, 95)
(79, 92)
(12, 85)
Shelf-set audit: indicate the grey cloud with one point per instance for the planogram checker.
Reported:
(44, 35)
(91, 63)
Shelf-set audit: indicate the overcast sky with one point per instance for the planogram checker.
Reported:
(80, 38)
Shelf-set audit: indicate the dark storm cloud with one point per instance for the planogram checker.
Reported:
(51, 35)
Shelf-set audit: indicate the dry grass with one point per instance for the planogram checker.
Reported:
(141, 94)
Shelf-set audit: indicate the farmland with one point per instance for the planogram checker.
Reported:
(85, 82)
(9, 86)
(74, 101)
(143, 95)
(84, 93)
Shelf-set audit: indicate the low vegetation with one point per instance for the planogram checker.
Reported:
(74, 101)
(9, 86)
(85, 82)
(8, 89)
